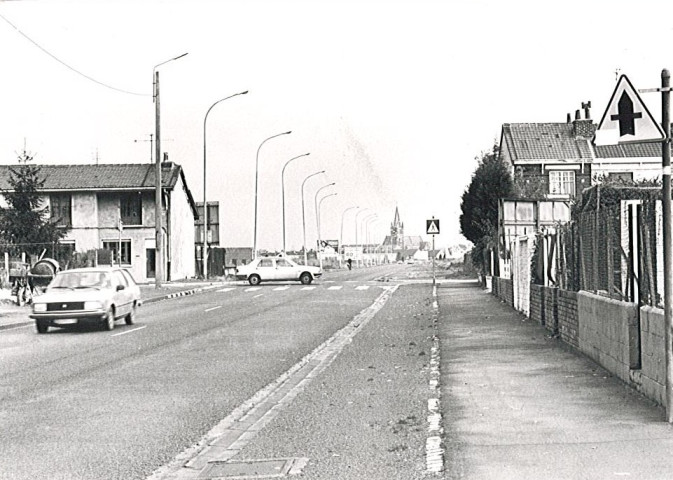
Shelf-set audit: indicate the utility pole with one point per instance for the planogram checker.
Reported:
(158, 208)
(668, 265)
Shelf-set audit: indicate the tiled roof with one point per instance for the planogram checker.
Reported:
(631, 150)
(545, 141)
(100, 177)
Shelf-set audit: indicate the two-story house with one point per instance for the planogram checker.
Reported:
(112, 206)
(559, 160)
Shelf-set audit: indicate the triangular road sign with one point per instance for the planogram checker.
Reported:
(627, 119)
(432, 226)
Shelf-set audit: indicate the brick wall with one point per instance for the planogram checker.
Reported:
(568, 320)
(502, 288)
(536, 313)
(550, 308)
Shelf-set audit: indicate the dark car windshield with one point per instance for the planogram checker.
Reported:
(80, 280)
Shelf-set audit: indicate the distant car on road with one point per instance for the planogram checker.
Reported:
(97, 295)
(265, 269)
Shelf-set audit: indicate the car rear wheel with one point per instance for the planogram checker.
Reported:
(254, 280)
(131, 317)
(109, 321)
(42, 327)
(306, 278)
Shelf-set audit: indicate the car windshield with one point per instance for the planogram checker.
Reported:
(79, 280)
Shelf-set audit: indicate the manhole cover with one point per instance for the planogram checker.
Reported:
(268, 468)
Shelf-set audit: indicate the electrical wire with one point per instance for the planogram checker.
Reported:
(68, 66)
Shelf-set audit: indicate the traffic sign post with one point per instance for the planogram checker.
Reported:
(432, 228)
(627, 120)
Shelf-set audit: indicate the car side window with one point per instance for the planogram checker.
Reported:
(281, 262)
(118, 279)
(129, 278)
(266, 263)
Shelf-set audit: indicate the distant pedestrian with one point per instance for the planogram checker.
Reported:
(349, 262)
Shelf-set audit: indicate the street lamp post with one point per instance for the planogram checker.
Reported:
(254, 244)
(365, 230)
(204, 256)
(303, 214)
(356, 230)
(319, 236)
(158, 221)
(282, 182)
(341, 235)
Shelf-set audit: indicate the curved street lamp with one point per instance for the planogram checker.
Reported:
(158, 220)
(282, 182)
(341, 235)
(315, 204)
(319, 237)
(204, 256)
(254, 245)
(303, 214)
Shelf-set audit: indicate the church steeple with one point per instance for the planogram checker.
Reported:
(397, 230)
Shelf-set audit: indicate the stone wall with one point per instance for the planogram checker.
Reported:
(550, 308)
(650, 379)
(609, 333)
(536, 313)
(502, 288)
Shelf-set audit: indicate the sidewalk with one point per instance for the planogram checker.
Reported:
(13, 316)
(518, 404)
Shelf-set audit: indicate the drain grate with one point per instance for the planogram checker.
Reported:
(242, 469)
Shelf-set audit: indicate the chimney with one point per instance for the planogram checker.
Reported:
(584, 127)
(568, 119)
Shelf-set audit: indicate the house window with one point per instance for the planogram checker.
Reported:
(130, 207)
(60, 210)
(562, 182)
(113, 246)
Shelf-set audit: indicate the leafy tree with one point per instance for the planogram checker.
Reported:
(24, 224)
(479, 206)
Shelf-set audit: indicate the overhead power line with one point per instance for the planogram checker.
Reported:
(68, 66)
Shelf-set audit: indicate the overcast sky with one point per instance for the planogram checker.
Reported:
(394, 99)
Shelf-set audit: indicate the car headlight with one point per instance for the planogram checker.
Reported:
(93, 306)
(39, 307)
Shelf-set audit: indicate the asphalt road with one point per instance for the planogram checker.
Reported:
(88, 404)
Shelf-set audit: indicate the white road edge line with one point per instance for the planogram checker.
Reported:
(227, 438)
(128, 331)
(212, 308)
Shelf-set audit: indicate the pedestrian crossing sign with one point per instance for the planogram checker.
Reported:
(432, 226)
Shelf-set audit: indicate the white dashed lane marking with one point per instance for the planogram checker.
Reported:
(362, 287)
(227, 289)
(252, 289)
(280, 289)
(308, 288)
(335, 287)
(212, 308)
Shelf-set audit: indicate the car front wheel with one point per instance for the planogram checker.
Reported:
(109, 321)
(254, 279)
(305, 278)
(42, 327)
(131, 317)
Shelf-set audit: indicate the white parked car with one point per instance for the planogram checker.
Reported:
(97, 295)
(266, 269)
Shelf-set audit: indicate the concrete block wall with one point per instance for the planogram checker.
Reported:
(609, 333)
(568, 319)
(650, 379)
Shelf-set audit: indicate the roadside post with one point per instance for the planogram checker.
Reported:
(432, 228)
(627, 120)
